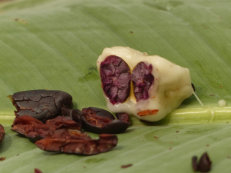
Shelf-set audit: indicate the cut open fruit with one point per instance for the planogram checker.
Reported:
(137, 83)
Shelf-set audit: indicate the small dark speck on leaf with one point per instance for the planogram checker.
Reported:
(156, 137)
(36, 170)
(126, 166)
(2, 158)
(131, 32)
(228, 157)
(207, 145)
(22, 21)
(177, 131)
(91, 74)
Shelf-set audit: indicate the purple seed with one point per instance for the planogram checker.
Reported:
(115, 77)
(142, 80)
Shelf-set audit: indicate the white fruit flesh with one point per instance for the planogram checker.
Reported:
(172, 84)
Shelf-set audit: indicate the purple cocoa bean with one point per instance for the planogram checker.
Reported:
(142, 80)
(115, 77)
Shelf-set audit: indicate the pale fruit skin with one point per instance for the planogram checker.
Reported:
(172, 84)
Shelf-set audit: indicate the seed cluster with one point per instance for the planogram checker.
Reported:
(116, 78)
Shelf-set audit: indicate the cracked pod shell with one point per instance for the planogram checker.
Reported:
(170, 85)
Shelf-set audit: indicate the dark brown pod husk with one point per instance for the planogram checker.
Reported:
(41, 104)
(98, 120)
(2, 133)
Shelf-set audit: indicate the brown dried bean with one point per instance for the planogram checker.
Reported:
(101, 121)
(75, 114)
(41, 104)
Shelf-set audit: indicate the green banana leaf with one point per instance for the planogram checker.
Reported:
(54, 44)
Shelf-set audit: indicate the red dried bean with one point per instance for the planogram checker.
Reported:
(63, 122)
(62, 134)
(79, 146)
(35, 129)
(30, 127)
